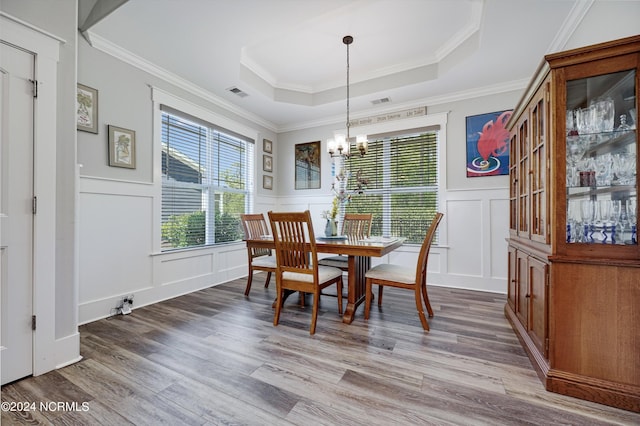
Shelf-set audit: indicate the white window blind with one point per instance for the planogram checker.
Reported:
(206, 182)
(402, 184)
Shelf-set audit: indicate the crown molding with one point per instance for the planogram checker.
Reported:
(571, 23)
(124, 55)
(425, 102)
(134, 60)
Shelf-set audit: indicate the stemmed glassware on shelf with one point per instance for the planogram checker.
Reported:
(588, 214)
(574, 233)
(623, 168)
(623, 127)
(615, 218)
(576, 148)
(632, 215)
(604, 221)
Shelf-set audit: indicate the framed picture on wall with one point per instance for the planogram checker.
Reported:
(488, 144)
(307, 165)
(267, 146)
(86, 109)
(267, 182)
(122, 147)
(267, 163)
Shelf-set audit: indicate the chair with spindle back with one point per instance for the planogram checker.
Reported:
(404, 277)
(260, 259)
(297, 262)
(354, 225)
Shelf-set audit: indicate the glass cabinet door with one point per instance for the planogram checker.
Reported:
(601, 164)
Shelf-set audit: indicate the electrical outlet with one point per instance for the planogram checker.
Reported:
(124, 305)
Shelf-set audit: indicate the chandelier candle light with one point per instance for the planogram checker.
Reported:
(339, 145)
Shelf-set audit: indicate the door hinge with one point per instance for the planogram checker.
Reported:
(35, 87)
(34, 206)
(546, 345)
(33, 322)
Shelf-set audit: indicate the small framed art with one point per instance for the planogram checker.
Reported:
(267, 163)
(122, 147)
(307, 165)
(267, 182)
(267, 146)
(86, 108)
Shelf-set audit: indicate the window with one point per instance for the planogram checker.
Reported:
(206, 182)
(402, 184)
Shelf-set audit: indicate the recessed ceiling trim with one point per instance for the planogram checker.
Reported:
(130, 58)
(479, 92)
(456, 40)
(477, 9)
(571, 23)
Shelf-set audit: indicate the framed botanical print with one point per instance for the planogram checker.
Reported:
(267, 146)
(122, 147)
(307, 165)
(267, 163)
(86, 109)
(267, 182)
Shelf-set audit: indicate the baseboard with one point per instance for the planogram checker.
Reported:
(67, 350)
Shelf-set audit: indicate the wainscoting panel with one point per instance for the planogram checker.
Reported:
(175, 268)
(499, 220)
(115, 243)
(466, 232)
(118, 258)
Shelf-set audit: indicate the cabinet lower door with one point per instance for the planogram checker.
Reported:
(522, 291)
(538, 273)
(512, 292)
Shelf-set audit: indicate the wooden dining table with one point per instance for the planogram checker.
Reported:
(359, 252)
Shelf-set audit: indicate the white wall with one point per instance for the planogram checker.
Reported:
(118, 220)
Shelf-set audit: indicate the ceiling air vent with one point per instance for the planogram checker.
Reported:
(237, 91)
(381, 101)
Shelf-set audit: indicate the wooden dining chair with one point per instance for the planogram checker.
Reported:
(260, 259)
(403, 277)
(354, 225)
(297, 262)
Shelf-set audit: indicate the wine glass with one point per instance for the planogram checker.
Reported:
(616, 220)
(632, 214)
(574, 233)
(604, 221)
(575, 148)
(587, 214)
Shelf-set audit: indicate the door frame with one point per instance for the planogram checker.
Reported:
(45, 47)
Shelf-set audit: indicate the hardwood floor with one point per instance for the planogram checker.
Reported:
(214, 357)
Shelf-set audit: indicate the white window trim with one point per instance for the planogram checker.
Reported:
(161, 97)
(407, 125)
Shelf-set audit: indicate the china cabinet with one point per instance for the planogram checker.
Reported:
(574, 259)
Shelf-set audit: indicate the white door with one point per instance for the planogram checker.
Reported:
(16, 212)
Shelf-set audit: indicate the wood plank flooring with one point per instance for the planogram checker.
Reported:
(214, 357)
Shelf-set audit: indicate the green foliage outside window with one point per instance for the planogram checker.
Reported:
(184, 230)
(402, 188)
(189, 230)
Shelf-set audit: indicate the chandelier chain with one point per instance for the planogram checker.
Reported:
(348, 121)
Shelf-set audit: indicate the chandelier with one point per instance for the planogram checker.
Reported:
(338, 146)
